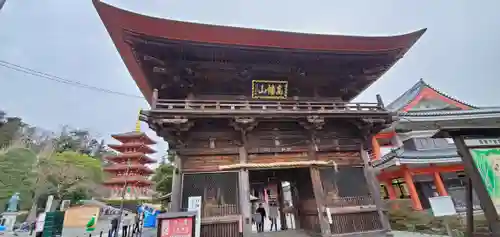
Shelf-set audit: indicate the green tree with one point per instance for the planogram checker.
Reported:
(162, 178)
(69, 172)
(9, 130)
(16, 175)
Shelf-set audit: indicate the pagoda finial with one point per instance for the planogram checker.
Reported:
(138, 122)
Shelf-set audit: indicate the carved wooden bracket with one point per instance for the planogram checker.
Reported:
(177, 124)
(172, 130)
(244, 124)
(313, 122)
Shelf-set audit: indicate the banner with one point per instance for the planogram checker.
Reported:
(269, 89)
(487, 161)
(177, 227)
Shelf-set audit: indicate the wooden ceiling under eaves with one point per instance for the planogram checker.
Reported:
(423, 97)
(177, 68)
(182, 57)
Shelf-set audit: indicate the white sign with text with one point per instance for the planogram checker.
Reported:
(194, 205)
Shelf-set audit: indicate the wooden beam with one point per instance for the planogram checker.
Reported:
(422, 170)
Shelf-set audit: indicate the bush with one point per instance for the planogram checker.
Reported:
(402, 217)
(130, 205)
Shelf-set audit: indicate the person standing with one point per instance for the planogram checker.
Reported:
(273, 216)
(257, 220)
(114, 227)
(262, 212)
(125, 225)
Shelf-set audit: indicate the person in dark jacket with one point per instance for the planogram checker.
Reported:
(114, 227)
(262, 211)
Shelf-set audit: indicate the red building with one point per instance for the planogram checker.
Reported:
(128, 171)
(416, 165)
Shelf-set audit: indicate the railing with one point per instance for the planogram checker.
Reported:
(219, 210)
(242, 105)
(220, 230)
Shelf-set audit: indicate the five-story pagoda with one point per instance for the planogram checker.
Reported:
(245, 107)
(129, 173)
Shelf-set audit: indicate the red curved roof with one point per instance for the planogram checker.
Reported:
(123, 167)
(141, 157)
(131, 180)
(116, 20)
(141, 148)
(126, 137)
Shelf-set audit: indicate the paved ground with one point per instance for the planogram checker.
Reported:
(152, 233)
(82, 233)
(413, 234)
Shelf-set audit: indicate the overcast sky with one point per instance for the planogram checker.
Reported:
(459, 54)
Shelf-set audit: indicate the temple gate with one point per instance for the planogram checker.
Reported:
(244, 106)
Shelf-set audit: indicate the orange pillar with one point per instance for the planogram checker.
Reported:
(413, 191)
(375, 148)
(392, 193)
(438, 181)
(390, 190)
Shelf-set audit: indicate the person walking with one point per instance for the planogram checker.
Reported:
(273, 216)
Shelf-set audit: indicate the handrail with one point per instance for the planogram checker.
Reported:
(248, 105)
(262, 101)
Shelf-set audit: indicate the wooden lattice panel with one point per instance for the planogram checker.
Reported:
(355, 222)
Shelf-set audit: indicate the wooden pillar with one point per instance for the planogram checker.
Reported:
(469, 201)
(374, 188)
(438, 181)
(244, 190)
(317, 187)
(176, 196)
(296, 206)
(319, 196)
(392, 193)
(281, 200)
(417, 205)
(375, 149)
(154, 99)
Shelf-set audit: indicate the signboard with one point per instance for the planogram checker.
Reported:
(482, 142)
(442, 206)
(487, 161)
(194, 205)
(177, 227)
(262, 89)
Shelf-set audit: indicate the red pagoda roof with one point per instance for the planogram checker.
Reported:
(126, 137)
(140, 148)
(131, 180)
(423, 97)
(141, 157)
(121, 167)
(117, 21)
